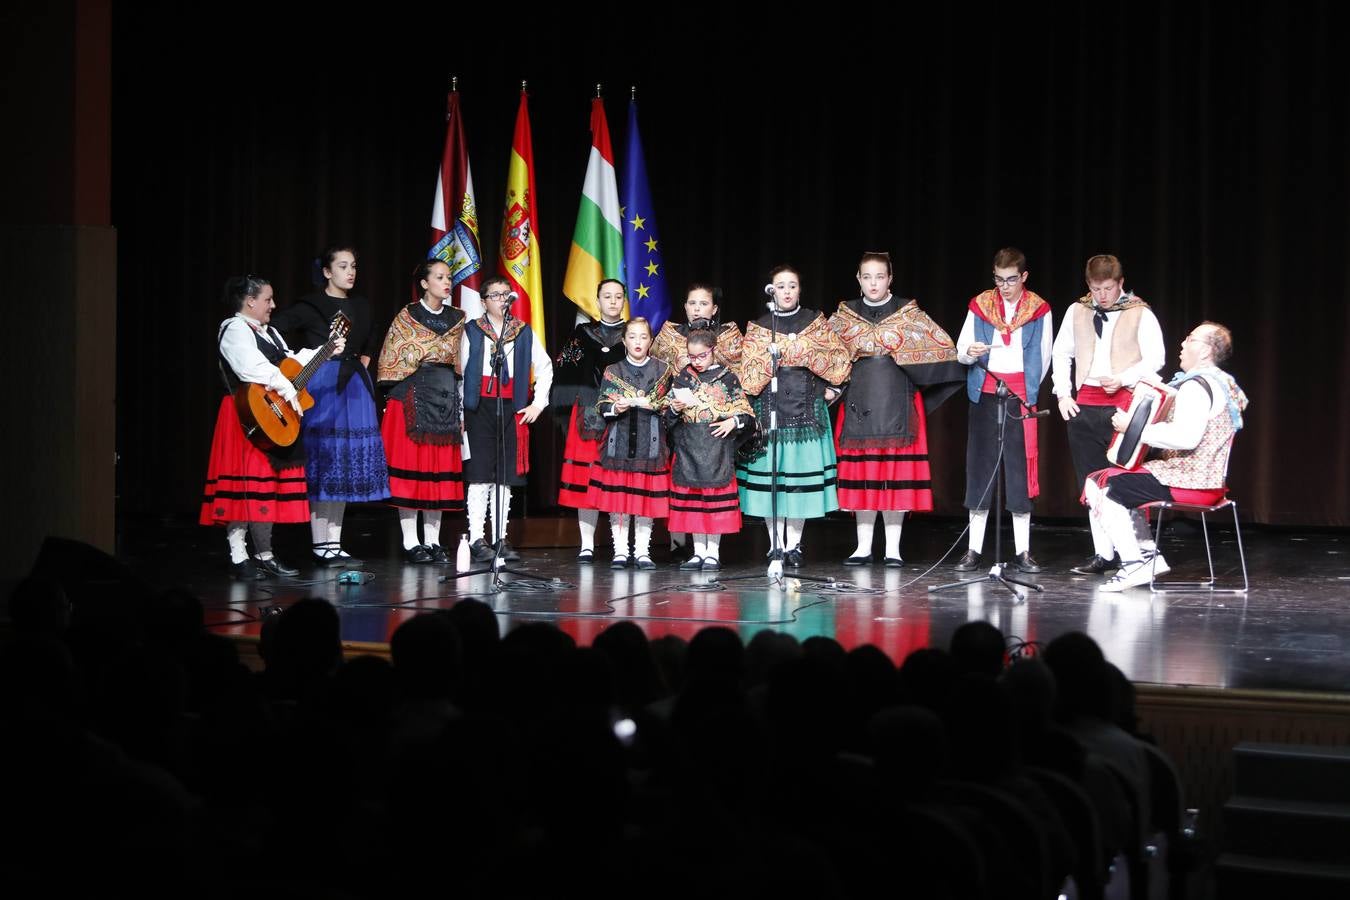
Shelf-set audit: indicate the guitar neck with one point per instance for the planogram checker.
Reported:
(320, 357)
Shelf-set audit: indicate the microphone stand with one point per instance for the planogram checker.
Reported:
(776, 550)
(995, 575)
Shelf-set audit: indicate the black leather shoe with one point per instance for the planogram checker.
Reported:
(246, 571)
(479, 551)
(508, 552)
(793, 558)
(1023, 562)
(276, 567)
(329, 554)
(645, 563)
(1096, 566)
(858, 561)
(619, 562)
(894, 562)
(711, 564)
(969, 562)
(586, 557)
(692, 565)
(419, 555)
(438, 555)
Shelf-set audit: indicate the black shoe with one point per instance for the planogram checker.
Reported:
(645, 563)
(1096, 566)
(968, 562)
(246, 571)
(1023, 562)
(508, 552)
(894, 562)
(711, 564)
(438, 555)
(329, 554)
(619, 562)
(692, 565)
(793, 558)
(858, 560)
(479, 551)
(419, 555)
(276, 567)
(586, 557)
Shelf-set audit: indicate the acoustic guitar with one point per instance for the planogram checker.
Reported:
(268, 420)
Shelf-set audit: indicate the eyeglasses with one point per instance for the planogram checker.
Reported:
(700, 356)
(498, 295)
(1009, 281)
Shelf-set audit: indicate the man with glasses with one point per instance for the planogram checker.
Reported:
(1188, 456)
(1108, 341)
(1007, 333)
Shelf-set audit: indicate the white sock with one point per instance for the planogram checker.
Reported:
(792, 533)
(1022, 532)
(978, 519)
(477, 502)
(895, 521)
(768, 526)
(700, 545)
(499, 528)
(1142, 532)
(711, 542)
(407, 523)
(1101, 541)
(618, 529)
(431, 527)
(262, 539)
(866, 525)
(234, 536)
(586, 522)
(642, 536)
(318, 521)
(337, 511)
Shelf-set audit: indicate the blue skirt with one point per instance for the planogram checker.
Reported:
(344, 454)
(807, 480)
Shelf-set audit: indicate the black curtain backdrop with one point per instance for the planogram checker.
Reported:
(1207, 149)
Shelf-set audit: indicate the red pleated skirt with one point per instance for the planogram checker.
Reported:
(242, 486)
(632, 493)
(887, 478)
(578, 455)
(421, 476)
(705, 510)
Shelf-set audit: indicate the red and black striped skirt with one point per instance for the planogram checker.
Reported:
(579, 455)
(242, 486)
(887, 478)
(421, 476)
(701, 510)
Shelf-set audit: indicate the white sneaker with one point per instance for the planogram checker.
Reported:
(1158, 562)
(1131, 574)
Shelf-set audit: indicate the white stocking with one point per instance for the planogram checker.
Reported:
(477, 503)
(710, 547)
(618, 528)
(499, 528)
(234, 536)
(407, 523)
(792, 533)
(431, 527)
(586, 521)
(642, 536)
(895, 521)
(1022, 532)
(262, 539)
(978, 519)
(867, 523)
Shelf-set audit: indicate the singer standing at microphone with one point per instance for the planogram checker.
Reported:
(812, 365)
(904, 366)
(522, 354)
(1008, 332)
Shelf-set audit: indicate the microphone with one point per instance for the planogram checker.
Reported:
(768, 290)
(512, 297)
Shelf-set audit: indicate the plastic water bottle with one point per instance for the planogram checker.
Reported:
(462, 556)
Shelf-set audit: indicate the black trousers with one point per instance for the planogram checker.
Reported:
(1090, 433)
(982, 454)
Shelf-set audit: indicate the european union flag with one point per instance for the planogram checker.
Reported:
(644, 271)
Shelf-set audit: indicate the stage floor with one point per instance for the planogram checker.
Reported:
(1291, 632)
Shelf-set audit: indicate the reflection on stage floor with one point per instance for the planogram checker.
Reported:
(1292, 631)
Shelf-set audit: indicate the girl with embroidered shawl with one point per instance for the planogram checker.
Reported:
(813, 364)
(632, 477)
(882, 430)
(702, 307)
(422, 417)
(704, 434)
(579, 369)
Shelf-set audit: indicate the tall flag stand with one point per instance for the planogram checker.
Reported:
(454, 214)
(597, 242)
(645, 271)
(519, 258)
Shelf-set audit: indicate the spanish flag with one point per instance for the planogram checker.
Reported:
(597, 242)
(519, 258)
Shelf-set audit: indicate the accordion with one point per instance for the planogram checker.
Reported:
(1152, 403)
